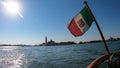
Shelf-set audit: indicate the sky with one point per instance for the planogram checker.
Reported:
(40, 18)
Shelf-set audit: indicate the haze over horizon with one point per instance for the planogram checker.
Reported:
(50, 18)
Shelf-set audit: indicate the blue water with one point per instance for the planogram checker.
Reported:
(72, 56)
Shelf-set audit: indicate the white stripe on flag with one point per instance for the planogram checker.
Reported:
(85, 27)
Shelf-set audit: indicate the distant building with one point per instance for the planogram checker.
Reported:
(51, 42)
(46, 43)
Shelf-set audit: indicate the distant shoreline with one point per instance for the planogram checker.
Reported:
(64, 43)
(53, 43)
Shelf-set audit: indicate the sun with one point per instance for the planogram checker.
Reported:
(12, 7)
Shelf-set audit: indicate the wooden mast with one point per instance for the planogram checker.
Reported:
(98, 27)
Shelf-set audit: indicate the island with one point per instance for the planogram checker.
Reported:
(53, 43)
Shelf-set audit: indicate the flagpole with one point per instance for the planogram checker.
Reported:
(101, 34)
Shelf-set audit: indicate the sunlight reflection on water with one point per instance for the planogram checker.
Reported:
(8, 47)
(11, 57)
(18, 62)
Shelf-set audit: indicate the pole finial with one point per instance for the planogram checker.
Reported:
(85, 2)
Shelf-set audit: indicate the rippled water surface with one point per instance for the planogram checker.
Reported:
(72, 56)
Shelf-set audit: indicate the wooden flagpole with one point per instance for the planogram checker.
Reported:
(101, 34)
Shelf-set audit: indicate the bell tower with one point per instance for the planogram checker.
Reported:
(46, 40)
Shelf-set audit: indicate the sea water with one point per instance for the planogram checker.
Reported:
(64, 56)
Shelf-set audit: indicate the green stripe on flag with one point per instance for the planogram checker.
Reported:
(87, 16)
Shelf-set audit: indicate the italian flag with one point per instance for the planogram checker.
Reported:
(81, 22)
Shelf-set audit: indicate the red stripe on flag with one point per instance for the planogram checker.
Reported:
(74, 29)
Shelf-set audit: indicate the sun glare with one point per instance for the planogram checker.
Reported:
(12, 7)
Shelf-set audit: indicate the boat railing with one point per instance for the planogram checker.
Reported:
(113, 61)
(98, 61)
